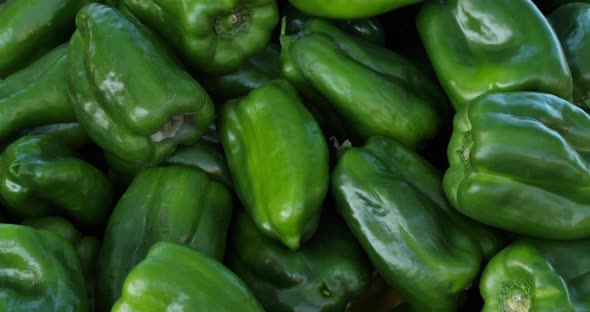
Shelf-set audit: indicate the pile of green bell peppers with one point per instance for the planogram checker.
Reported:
(295, 155)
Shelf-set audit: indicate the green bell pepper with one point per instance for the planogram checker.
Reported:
(392, 201)
(480, 46)
(173, 277)
(177, 204)
(134, 101)
(537, 276)
(367, 88)
(214, 37)
(519, 162)
(571, 23)
(85, 246)
(39, 271)
(254, 73)
(548, 6)
(41, 176)
(278, 159)
(36, 95)
(324, 275)
(70, 134)
(369, 29)
(349, 9)
(31, 28)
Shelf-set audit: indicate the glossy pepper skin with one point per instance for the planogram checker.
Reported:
(214, 37)
(349, 9)
(255, 72)
(86, 247)
(39, 271)
(182, 205)
(41, 176)
(175, 277)
(36, 95)
(369, 29)
(519, 162)
(130, 95)
(571, 23)
(70, 133)
(391, 200)
(538, 275)
(261, 134)
(324, 275)
(371, 90)
(31, 28)
(479, 46)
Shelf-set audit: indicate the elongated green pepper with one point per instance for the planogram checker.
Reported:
(392, 201)
(134, 101)
(215, 37)
(345, 9)
(519, 161)
(31, 28)
(178, 204)
(36, 95)
(571, 23)
(324, 275)
(41, 176)
(479, 46)
(278, 159)
(538, 275)
(358, 89)
(39, 271)
(173, 277)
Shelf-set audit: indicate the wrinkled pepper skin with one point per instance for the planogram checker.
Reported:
(173, 277)
(39, 271)
(86, 247)
(130, 95)
(324, 275)
(214, 37)
(349, 9)
(480, 46)
(31, 28)
(519, 162)
(391, 200)
(254, 73)
(183, 205)
(263, 132)
(537, 276)
(41, 176)
(571, 23)
(371, 90)
(36, 95)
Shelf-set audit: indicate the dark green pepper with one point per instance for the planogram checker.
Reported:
(254, 73)
(36, 95)
(478, 46)
(85, 246)
(278, 159)
(324, 275)
(519, 161)
(178, 204)
(537, 276)
(31, 28)
(134, 101)
(369, 89)
(392, 201)
(70, 134)
(215, 37)
(571, 23)
(343, 9)
(39, 271)
(41, 176)
(173, 277)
